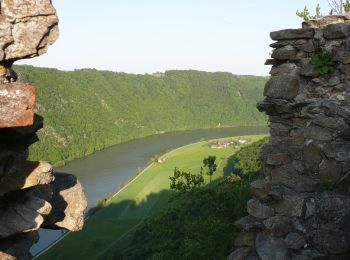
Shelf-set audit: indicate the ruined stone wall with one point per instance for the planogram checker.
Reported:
(301, 210)
(32, 195)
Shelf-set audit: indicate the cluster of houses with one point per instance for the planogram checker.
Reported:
(227, 143)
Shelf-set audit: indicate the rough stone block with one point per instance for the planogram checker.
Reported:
(17, 102)
(289, 34)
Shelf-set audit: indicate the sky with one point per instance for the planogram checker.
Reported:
(147, 36)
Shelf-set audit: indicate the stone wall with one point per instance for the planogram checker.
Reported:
(301, 210)
(32, 195)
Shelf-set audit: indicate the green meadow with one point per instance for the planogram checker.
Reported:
(114, 225)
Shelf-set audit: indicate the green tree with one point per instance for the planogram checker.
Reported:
(183, 181)
(210, 165)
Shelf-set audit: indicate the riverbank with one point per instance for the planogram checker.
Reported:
(102, 172)
(144, 196)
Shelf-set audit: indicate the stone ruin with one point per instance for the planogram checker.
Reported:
(32, 195)
(301, 210)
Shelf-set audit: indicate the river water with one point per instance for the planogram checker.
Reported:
(104, 171)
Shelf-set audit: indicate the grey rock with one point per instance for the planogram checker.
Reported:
(308, 70)
(293, 206)
(278, 159)
(307, 46)
(295, 241)
(239, 254)
(311, 155)
(285, 53)
(270, 248)
(332, 241)
(261, 189)
(343, 56)
(330, 171)
(249, 223)
(259, 209)
(318, 133)
(292, 34)
(289, 177)
(245, 239)
(334, 31)
(286, 68)
(284, 87)
(278, 225)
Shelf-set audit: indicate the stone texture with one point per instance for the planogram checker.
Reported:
(289, 34)
(70, 203)
(258, 209)
(16, 105)
(334, 31)
(295, 241)
(28, 174)
(22, 215)
(285, 53)
(270, 248)
(28, 28)
(278, 225)
(283, 87)
(303, 201)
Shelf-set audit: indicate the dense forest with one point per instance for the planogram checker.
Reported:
(199, 223)
(87, 110)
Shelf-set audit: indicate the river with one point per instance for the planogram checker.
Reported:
(104, 171)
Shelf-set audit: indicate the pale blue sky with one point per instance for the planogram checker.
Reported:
(145, 36)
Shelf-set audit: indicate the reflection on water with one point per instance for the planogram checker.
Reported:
(103, 172)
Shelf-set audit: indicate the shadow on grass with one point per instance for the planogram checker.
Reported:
(109, 227)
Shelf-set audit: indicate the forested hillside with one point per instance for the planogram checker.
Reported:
(87, 110)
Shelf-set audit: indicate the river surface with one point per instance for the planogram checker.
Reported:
(104, 171)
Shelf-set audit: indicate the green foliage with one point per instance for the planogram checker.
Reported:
(199, 224)
(210, 165)
(346, 6)
(248, 163)
(88, 110)
(322, 61)
(305, 14)
(185, 181)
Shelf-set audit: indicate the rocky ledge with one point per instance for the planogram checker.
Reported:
(32, 194)
(301, 210)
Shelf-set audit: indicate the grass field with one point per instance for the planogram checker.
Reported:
(113, 225)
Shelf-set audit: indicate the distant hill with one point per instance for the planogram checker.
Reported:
(87, 110)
